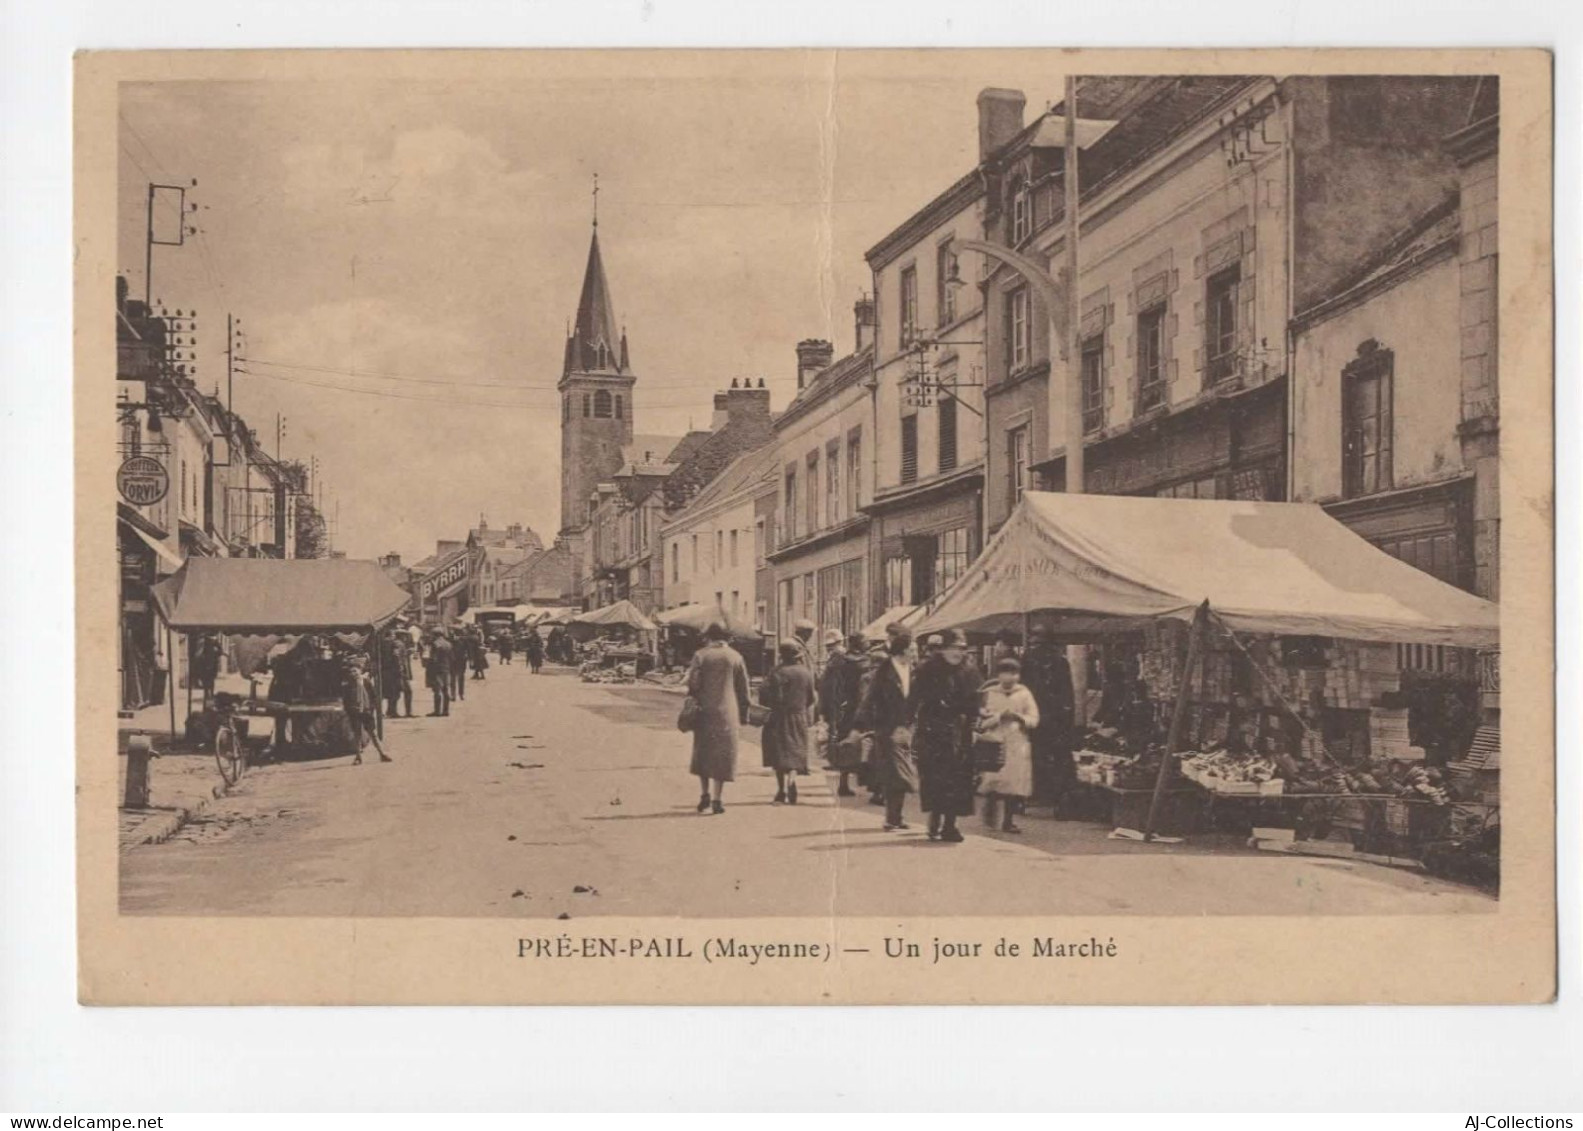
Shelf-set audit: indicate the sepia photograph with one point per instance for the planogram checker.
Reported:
(712, 489)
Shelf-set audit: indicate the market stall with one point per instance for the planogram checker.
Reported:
(1259, 640)
(903, 615)
(682, 632)
(288, 620)
(616, 638)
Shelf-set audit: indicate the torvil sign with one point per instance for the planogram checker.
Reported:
(446, 580)
(142, 481)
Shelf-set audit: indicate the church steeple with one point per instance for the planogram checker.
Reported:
(595, 345)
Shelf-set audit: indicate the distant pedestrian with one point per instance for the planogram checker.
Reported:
(887, 710)
(534, 648)
(838, 690)
(1008, 715)
(788, 692)
(505, 647)
(945, 704)
(717, 681)
(460, 654)
(439, 674)
(478, 652)
(357, 696)
(395, 674)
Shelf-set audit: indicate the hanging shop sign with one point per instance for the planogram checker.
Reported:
(142, 480)
(447, 579)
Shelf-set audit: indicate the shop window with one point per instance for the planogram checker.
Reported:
(1366, 424)
(909, 448)
(945, 274)
(947, 436)
(1016, 463)
(810, 595)
(1220, 325)
(898, 582)
(909, 307)
(1093, 383)
(1019, 330)
(951, 558)
(604, 407)
(1151, 357)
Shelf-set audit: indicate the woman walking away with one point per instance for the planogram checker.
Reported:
(788, 692)
(718, 684)
(945, 693)
(838, 692)
(506, 646)
(887, 711)
(534, 647)
(1008, 714)
(479, 653)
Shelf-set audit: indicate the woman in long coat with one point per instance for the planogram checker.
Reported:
(788, 692)
(717, 680)
(886, 710)
(945, 694)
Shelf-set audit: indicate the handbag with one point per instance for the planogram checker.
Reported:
(988, 757)
(687, 719)
(758, 715)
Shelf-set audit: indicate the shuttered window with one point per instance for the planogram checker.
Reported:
(948, 434)
(909, 448)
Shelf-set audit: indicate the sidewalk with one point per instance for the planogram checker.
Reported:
(182, 780)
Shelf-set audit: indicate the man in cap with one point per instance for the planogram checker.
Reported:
(802, 637)
(438, 673)
(838, 701)
(1046, 673)
(945, 695)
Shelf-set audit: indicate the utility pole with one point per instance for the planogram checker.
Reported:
(183, 230)
(1072, 346)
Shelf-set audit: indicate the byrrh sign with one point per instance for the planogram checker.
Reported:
(447, 579)
(142, 481)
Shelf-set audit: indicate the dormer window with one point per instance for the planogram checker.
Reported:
(1021, 213)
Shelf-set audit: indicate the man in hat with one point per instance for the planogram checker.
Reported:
(438, 673)
(887, 710)
(838, 701)
(1046, 673)
(357, 697)
(802, 637)
(945, 696)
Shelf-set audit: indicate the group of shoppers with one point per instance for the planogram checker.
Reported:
(900, 722)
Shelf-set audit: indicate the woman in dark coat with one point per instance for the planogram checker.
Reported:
(717, 681)
(945, 702)
(788, 692)
(534, 647)
(886, 710)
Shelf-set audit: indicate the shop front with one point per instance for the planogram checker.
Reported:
(824, 579)
(921, 541)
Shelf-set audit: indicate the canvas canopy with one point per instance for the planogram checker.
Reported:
(904, 615)
(699, 617)
(1091, 564)
(278, 596)
(621, 614)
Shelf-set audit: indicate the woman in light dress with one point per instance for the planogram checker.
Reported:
(1007, 715)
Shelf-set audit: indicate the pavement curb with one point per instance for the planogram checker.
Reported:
(161, 830)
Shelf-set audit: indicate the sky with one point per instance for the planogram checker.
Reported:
(404, 245)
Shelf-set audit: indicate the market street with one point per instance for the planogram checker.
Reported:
(536, 786)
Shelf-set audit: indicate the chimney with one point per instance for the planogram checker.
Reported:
(391, 560)
(747, 402)
(863, 317)
(999, 118)
(720, 415)
(813, 355)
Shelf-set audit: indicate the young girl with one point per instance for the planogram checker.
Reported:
(1008, 714)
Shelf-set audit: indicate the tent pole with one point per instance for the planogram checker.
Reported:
(377, 658)
(170, 692)
(1178, 715)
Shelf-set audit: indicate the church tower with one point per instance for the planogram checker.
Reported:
(596, 395)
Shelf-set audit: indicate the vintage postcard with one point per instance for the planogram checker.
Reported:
(814, 526)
